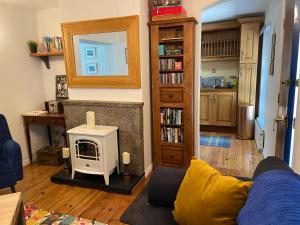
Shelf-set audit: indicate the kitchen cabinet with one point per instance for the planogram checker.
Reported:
(218, 108)
(248, 61)
(249, 42)
(247, 84)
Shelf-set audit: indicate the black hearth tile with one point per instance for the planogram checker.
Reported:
(117, 183)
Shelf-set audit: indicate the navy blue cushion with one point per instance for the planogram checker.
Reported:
(273, 200)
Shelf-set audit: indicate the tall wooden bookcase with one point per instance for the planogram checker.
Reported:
(172, 77)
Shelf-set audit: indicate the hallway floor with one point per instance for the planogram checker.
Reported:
(240, 159)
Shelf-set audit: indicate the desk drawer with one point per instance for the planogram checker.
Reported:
(171, 95)
(45, 120)
(173, 155)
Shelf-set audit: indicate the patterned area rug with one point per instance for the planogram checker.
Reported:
(216, 141)
(35, 216)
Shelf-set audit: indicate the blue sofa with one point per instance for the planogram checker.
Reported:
(11, 168)
(154, 205)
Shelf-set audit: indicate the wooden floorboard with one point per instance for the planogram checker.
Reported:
(238, 160)
(39, 191)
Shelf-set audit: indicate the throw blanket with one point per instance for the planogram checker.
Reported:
(273, 200)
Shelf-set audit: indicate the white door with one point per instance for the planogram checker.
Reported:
(276, 18)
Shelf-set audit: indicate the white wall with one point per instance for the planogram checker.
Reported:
(223, 69)
(21, 80)
(76, 10)
(70, 10)
(274, 18)
(49, 24)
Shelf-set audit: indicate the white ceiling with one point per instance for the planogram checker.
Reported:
(33, 4)
(229, 9)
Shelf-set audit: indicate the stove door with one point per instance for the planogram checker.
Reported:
(88, 155)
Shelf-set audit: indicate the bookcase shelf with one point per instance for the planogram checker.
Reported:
(173, 144)
(171, 71)
(170, 56)
(169, 41)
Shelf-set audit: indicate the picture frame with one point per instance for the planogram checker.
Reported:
(92, 68)
(272, 58)
(90, 53)
(61, 87)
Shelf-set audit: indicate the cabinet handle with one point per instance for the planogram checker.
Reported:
(215, 98)
(172, 156)
(171, 96)
(242, 55)
(210, 97)
(87, 165)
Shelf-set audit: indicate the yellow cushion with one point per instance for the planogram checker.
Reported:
(205, 197)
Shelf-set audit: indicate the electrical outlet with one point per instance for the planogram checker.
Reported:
(214, 71)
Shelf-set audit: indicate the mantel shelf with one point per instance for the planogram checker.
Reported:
(45, 56)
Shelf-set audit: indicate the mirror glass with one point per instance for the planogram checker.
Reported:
(102, 54)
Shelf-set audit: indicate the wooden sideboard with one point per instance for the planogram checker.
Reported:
(48, 120)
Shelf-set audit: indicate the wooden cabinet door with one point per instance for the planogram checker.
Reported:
(249, 42)
(206, 108)
(247, 84)
(224, 111)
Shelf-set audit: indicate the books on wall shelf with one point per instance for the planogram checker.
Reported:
(170, 64)
(171, 78)
(172, 135)
(171, 116)
(50, 44)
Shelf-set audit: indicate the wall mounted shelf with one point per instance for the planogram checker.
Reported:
(44, 56)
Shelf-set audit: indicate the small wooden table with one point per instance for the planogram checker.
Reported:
(11, 209)
(50, 119)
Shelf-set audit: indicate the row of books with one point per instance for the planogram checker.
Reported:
(170, 64)
(160, 3)
(51, 44)
(171, 116)
(172, 135)
(165, 50)
(171, 78)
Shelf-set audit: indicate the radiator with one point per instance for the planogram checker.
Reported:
(259, 137)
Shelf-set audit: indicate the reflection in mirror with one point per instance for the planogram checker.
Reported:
(102, 54)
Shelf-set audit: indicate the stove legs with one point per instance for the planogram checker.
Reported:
(106, 178)
(118, 168)
(73, 174)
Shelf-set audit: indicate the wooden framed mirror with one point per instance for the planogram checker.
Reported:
(103, 53)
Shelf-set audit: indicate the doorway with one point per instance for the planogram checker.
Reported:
(277, 77)
(231, 74)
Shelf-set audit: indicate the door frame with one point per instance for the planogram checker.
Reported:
(288, 28)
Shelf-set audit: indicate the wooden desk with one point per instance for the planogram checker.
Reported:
(11, 209)
(50, 119)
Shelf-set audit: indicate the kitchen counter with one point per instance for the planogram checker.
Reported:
(218, 89)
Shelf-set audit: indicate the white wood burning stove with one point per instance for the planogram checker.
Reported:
(94, 150)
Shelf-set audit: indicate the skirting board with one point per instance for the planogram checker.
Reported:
(27, 161)
(148, 170)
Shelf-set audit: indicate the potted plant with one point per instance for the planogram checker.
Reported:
(32, 46)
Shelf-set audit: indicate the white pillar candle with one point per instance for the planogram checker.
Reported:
(126, 158)
(66, 153)
(90, 119)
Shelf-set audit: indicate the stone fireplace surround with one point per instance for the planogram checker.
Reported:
(127, 116)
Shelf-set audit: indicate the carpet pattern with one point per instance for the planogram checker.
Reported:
(35, 216)
(216, 141)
